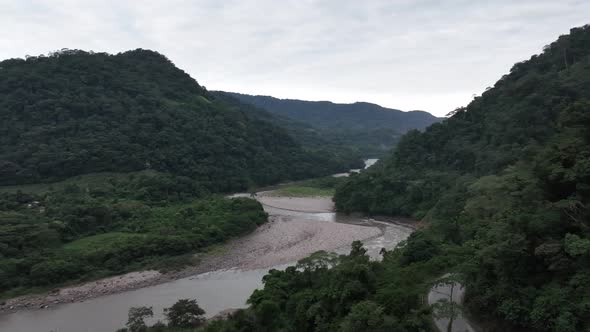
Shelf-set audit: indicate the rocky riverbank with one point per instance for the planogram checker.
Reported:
(286, 238)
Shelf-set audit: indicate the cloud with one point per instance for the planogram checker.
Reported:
(423, 54)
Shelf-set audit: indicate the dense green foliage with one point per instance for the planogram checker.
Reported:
(369, 128)
(508, 180)
(122, 223)
(347, 293)
(185, 313)
(327, 154)
(76, 116)
(326, 292)
(73, 113)
(183, 316)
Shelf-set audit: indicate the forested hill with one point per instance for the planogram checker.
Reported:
(74, 112)
(371, 128)
(506, 182)
(325, 114)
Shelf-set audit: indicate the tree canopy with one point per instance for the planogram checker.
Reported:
(76, 112)
(369, 128)
(85, 230)
(507, 179)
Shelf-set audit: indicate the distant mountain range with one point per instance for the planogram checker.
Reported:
(356, 116)
(371, 128)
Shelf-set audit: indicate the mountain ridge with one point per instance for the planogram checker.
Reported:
(263, 101)
(329, 102)
(503, 185)
(369, 128)
(76, 112)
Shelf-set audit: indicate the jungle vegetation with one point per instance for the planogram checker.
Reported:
(506, 180)
(112, 163)
(503, 190)
(74, 112)
(102, 225)
(368, 128)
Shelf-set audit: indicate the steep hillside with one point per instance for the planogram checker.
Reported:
(74, 112)
(325, 114)
(138, 146)
(370, 128)
(506, 182)
(332, 153)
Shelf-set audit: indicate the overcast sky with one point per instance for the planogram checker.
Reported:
(429, 55)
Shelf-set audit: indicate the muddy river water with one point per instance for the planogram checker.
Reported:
(297, 228)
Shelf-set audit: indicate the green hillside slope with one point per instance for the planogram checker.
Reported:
(74, 113)
(107, 163)
(507, 180)
(369, 128)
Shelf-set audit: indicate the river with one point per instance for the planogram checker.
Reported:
(297, 228)
(368, 163)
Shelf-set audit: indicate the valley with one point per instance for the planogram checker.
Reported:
(134, 199)
(223, 279)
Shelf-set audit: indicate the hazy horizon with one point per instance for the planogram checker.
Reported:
(407, 55)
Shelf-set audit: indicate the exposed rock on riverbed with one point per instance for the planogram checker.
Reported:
(86, 291)
(287, 239)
